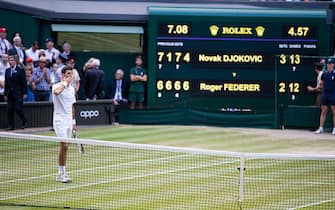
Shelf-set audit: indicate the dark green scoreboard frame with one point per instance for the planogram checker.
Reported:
(235, 61)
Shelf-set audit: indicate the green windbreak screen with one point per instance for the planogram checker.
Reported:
(102, 42)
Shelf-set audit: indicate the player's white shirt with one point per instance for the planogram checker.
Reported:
(63, 104)
(318, 79)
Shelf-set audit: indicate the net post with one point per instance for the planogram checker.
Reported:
(241, 181)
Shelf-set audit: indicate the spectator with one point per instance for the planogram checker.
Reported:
(138, 77)
(117, 90)
(60, 61)
(41, 78)
(2, 86)
(17, 42)
(17, 34)
(33, 52)
(29, 62)
(30, 84)
(328, 94)
(88, 64)
(54, 77)
(15, 91)
(67, 53)
(75, 74)
(4, 64)
(41, 54)
(94, 78)
(318, 89)
(5, 45)
(51, 53)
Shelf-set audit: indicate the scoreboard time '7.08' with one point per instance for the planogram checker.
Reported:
(228, 60)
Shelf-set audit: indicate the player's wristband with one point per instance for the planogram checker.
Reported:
(73, 121)
(64, 83)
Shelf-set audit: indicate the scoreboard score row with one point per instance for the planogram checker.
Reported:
(250, 60)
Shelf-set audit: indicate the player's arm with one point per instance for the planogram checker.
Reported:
(59, 88)
(77, 86)
(320, 86)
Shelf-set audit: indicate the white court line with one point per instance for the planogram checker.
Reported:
(95, 168)
(117, 180)
(311, 204)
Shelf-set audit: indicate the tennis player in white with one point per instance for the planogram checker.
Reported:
(63, 97)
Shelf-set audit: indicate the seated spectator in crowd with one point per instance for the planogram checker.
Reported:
(41, 53)
(117, 90)
(5, 45)
(54, 77)
(41, 78)
(33, 52)
(67, 53)
(51, 53)
(138, 78)
(70, 63)
(30, 84)
(18, 34)
(88, 64)
(4, 64)
(60, 61)
(17, 44)
(94, 78)
(29, 62)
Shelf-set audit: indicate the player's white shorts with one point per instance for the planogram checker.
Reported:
(62, 128)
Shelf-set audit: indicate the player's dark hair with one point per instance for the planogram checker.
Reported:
(319, 66)
(66, 69)
(139, 57)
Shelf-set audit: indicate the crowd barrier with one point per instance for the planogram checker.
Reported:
(39, 114)
(101, 112)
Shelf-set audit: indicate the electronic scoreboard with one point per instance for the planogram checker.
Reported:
(234, 60)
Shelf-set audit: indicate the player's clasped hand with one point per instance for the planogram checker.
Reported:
(67, 80)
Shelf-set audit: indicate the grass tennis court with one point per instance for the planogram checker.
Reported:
(139, 179)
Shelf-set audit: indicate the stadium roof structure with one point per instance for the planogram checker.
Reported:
(135, 10)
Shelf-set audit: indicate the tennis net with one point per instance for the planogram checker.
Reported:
(114, 175)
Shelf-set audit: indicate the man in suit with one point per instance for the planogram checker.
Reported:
(94, 78)
(117, 90)
(15, 91)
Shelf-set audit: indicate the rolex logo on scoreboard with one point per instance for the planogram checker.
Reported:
(214, 29)
(260, 31)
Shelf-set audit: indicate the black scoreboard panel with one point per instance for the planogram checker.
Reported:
(235, 61)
